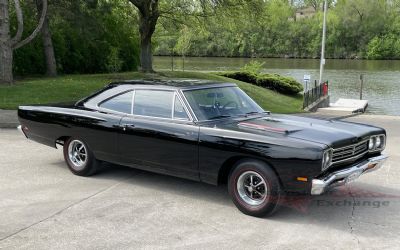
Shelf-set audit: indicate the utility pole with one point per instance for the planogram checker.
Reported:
(321, 68)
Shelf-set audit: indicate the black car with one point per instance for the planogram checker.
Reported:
(209, 132)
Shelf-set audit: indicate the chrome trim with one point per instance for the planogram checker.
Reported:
(133, 100)
(187, 105)
(145, 116)
(384, 143)
(184, 107)
(66, 111)
(352, 149)
(21, 131)
(342, 177)
(173, 106)
(329, 150)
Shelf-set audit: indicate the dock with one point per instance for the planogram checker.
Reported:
(344, 107)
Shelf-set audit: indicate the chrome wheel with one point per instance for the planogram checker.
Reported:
(77, 154)
(252, 188)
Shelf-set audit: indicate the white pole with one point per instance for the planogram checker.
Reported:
(321, 68)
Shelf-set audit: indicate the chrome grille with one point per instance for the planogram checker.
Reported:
(350, 153)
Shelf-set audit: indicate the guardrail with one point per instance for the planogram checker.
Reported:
(315, 93)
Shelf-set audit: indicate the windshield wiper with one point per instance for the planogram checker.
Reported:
(219, 117)
(252, 113)
(255, 113)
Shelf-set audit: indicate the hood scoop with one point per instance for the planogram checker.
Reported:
(262, 127)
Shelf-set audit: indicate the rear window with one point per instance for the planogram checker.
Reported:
(120, 103)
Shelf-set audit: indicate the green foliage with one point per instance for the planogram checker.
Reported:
(88, 37)
(385, 47)
(243, 76)
(253, 67)
(284, 85)
(114, 63)
(273, 29)
(281, 84)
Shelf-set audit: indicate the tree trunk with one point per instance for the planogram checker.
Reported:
(147, 26)
(148, 16)
(146, 56)
(6, 58)
(8, 44)
(51, 65)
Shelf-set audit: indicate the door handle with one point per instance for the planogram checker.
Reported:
(125, 126)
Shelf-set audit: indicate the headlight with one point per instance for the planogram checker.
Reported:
(376, 143)
(371, 143)
(327, 159)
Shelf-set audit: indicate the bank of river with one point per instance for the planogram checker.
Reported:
(381, 85)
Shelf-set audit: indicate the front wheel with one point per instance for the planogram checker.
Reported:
(254, 188)
(79, 157)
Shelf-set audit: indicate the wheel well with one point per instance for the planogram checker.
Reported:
(230, 163)
(61, 140)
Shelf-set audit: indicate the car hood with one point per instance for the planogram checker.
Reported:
(332, 133)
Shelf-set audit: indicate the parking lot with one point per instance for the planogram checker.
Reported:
(44, 206)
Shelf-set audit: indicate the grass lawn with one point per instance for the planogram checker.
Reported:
(74, 87)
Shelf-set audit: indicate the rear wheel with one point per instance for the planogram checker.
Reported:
(79, 157)
(254, 188)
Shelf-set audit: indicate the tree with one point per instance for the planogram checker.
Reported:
(51, 65)
(151, 10)
(8, 43)
(148, 16)
(183, 44)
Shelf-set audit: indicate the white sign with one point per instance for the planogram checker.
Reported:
(307, 78)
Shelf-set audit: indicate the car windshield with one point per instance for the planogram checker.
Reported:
(220, 102)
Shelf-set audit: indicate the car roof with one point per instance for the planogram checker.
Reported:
(174, 83)
(115, 88)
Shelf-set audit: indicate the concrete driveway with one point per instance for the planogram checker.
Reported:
(44, 206)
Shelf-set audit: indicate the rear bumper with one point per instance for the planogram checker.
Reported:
(341, 177)
(22, 131)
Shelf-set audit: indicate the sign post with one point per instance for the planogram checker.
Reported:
(306, 80)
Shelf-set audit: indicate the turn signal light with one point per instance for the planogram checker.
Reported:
(302, 179)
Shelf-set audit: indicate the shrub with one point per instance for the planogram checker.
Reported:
(281, 84)
(243, 76)
(284, 85)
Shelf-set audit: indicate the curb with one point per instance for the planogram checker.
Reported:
(9, 125)
(9, 118)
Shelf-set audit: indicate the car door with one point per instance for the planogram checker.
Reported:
(103, 134)
(160, 135)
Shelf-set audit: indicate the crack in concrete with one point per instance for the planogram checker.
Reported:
(68, 207)
(352, 219)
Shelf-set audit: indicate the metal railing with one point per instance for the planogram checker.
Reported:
(315, 93)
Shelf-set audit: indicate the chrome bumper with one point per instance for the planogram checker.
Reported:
(20, 130)
(347, 175)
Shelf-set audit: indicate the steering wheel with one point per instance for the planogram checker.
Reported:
(231, 102)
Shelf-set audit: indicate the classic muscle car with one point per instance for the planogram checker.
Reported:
(209, 132)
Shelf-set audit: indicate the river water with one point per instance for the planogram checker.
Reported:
(381, 78)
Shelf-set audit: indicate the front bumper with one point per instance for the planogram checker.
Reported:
(341, 177)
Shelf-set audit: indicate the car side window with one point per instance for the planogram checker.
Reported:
(179, 111)
(120, 103)
(155, 103)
